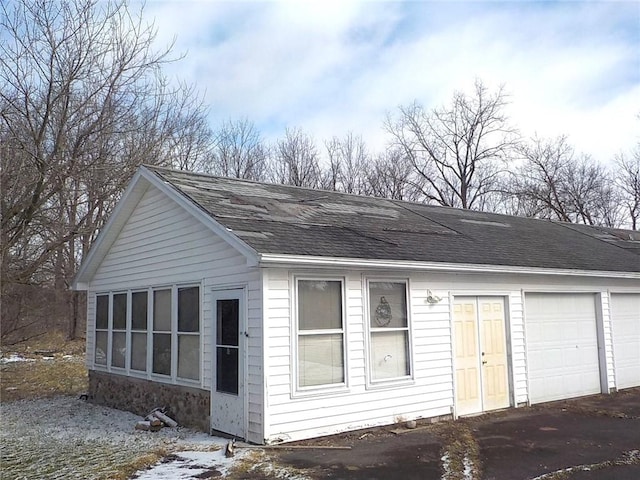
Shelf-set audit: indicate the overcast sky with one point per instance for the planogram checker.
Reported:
(333, 67)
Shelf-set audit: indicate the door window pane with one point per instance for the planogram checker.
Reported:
(162, 353)
(118, 349)
(189, 309)
(100, 356)
(162, 310)
(102, 312)
(139, 311)
(319, 304)
(227, 370)
(139, 351)
(189, 356)
(227, 322)
(320, 359)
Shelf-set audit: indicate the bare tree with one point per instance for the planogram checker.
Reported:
(348, 163)
(457, 149)
(82, 103)
(239, 151)
(296, 160)
(556, 183)
(628, 183)
(391, 175)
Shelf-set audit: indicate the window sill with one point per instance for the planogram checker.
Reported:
(320, 392)
(391, 384)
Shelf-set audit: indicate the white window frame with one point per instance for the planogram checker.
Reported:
(392, 381)
(96, 330)
(328, 388)
(125, 331)
(173, 377)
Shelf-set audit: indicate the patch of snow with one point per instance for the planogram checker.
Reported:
(188, 464)
(446, 466)
(468, 468)
(14, 357)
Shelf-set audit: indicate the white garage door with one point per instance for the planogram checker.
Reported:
(562, 346)
(625, 328)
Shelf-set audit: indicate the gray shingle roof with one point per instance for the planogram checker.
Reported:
(281, 219)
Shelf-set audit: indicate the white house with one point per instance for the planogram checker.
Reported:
(275, 313)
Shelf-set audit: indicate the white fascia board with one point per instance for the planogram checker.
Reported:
(217, 228)
(109, 232)
(267, 260)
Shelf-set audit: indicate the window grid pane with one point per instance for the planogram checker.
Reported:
(387, 305)
(389, 354)
(102, 312)
(189, 309)
(162, 310)
(139, 351)
(120, 311)
(319, 304)
(189, 356)
(162, 353)
(118, 349)
(100, 354)
(321, 359)
(139, 311)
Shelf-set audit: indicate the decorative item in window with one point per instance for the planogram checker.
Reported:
(383, 313)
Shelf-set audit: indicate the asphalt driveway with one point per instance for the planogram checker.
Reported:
(589, 438)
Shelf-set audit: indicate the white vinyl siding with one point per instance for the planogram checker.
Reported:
(162, 244)
(430, 391)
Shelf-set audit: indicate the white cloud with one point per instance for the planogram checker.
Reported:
(334, 67)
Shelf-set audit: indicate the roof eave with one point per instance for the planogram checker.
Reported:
(141, 181)
(270, 259)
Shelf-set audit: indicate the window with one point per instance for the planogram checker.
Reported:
(189, 333)
(389, 331)
(139, 315)
(119, 331)
(102, 329)
(320, 333)
(150, 332)
(162, 332)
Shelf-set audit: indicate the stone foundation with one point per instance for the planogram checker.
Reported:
(188, 406)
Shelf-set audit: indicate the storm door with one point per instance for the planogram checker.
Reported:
(227, 392)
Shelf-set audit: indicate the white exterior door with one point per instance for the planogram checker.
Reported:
(625, 326)
(480, 354)
(562, 346)
(227, 389)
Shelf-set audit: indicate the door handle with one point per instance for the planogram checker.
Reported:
(484, 362)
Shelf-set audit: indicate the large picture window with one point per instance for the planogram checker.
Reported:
(150, 332)
(320, 333)
(389, 331)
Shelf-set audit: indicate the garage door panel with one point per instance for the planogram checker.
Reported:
(625, 327)
(562, 346)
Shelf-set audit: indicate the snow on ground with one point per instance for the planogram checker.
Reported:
(68, 438)
(14, 357)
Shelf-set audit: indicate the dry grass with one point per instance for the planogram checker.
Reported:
(53, 366)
